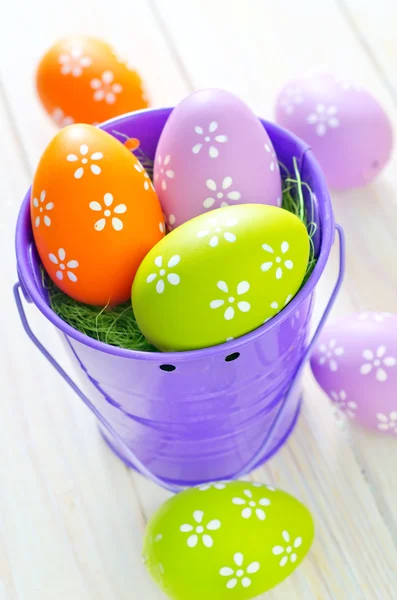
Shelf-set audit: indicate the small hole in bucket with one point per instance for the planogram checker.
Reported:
(231, 357)
(167, 368)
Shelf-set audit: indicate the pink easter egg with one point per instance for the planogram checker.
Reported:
(355, 363)
(214, 152)
(346, 127)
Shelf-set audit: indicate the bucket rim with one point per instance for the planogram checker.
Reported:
(327, 231)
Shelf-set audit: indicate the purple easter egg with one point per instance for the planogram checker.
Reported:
(346, 127)
(214, 152)
(355, 363)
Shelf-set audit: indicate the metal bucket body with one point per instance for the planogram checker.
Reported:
(196, 416)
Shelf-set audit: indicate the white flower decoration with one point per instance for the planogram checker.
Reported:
(84, 161)
(209, 139)
(323, 118)
(60, 261)
(120, 209)
(292, 96)
(273, 158)
(215, 231)
(164, 171)
(258, 484)
(74, 61)
(227, 182)
(105, 89)
(387, 422)
(147, 184)
(328, 354)
(40, 205)
(172, 278)
(60, 118)
(170, 221)
(200, 530)
(250, 506)
(216, 485)
(243, 306)
(377, 361)
(287, 551)
(278, 261)
(378, 317)
(240, 574)
(276, 306)
(343, 404)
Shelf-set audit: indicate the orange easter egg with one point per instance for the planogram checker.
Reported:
(95, 215)
(81, 79)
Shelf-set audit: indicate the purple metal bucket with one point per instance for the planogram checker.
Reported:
(188, 417)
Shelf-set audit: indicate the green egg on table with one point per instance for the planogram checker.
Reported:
(226, 540)
(219, 276)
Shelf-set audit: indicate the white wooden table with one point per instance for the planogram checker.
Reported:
(72, 516)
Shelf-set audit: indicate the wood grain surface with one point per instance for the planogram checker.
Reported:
(72, 517)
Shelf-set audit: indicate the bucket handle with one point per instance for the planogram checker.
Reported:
(137, 464)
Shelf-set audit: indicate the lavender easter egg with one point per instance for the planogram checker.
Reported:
(214, 152)
(346, 127)
(355, 363)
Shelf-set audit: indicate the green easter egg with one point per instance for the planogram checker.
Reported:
(226, 540)
(219, 276)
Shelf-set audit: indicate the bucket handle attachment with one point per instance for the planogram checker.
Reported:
(137, 464)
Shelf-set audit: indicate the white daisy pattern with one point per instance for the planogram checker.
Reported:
(42, 208)
(329, 354)
(277, 306)
(73, 62)
(64, 267)
(377, 362)
(217, 231)
(163, 275)
(287, 552)
(378, 317)
(105, 88)
(342, 403)
(292, 97)
(230, 302)
(258, 484)
(277, 259)
(170, 221)
(251, 507)
(84, 160)
(215, 485)
(323, 118)
(387, 422)
(273, 165)
(211, 138)
(198, 531)
(60, 118)
(239, 575)
(221, 192)
(164, 171)
(147, 183)
(109, 212)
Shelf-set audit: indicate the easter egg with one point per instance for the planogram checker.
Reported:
(355, 363)
(226, 540)
(94, 214)
(346, 127)
(219, 276)
(81, 79)
(214, 152)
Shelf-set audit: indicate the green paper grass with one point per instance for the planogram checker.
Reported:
(117, 325)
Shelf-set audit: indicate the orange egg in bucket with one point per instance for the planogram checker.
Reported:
(82, 79)
(95, 215)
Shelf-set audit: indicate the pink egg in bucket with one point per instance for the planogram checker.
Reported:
(216, 413)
